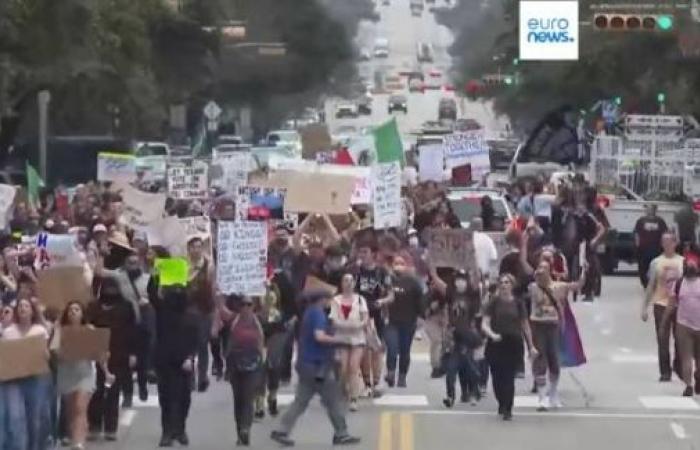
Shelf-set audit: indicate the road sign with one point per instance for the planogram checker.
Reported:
(212, 111)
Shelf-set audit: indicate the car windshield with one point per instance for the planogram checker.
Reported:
(152, 150)
(288, 136)
(467, 208)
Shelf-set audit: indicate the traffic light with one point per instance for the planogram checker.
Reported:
(618, 100)
(516, 61)
(633, 22)
(508, 80)
(661, 97)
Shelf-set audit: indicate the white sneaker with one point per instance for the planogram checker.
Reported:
(542, 402)
(353, 406)
(555, 401)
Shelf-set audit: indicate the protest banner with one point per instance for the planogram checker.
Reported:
(235, 167)
(260, 203)
(21, 358)
(386, 195)
(311, 192)
(468, 147)
(172, 271)
(116, 167)
(431, 163)
(242, 257)
(169, 233)
(450, 247)
(187, 183)
(83, 343)
(315, 138)
(140, 209)
(7, 198)
(57, 250)
(57, 286)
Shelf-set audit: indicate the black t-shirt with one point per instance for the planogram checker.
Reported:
(512, 265)
(408, 302)
(687, 220)
(506, 316)
(650, 230)
(372, 284)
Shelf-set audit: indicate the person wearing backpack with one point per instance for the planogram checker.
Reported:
(684, 310)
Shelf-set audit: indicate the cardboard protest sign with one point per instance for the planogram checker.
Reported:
(7, 198)
(313, 283)
(242, 257)
(116, 167)
(199, 226)
(451, 247)
(173, 271)
(235, 167)
(191, 182)
(21, 358)
(260, 203)
(58, 286)
(468, 147)
(140, 209)
(315, 138)
(386, 200)
(311, 192)
(57, 250)
(83, 343)
(431, 163)
(168, 232)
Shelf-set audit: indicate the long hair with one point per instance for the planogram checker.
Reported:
(64, 316)
(36, 319)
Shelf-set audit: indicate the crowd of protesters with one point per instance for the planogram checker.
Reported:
(346, 298)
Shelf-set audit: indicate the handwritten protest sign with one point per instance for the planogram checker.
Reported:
(199, 226)
(315, 138)
(140, 209)
(57, 286)
(21, 358)
(7, 197)
(260, 203)
(451, 247)
(116, 167)
(386, 190)
(57, 250)
(431, 163)
(186, 183)
(242, 252)
(83, 343)
(313, 283)
(235, 167)
(468, 148)
(172, 271)
(168, 232)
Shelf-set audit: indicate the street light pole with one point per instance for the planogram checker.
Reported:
(43, 99)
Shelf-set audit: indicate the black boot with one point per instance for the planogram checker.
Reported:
(402, 380)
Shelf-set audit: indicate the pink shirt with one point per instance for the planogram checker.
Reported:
(689, 303)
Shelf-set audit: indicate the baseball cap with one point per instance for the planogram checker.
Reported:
(99, 228)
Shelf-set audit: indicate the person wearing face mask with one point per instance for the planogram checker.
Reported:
(113, 312)
(333, 266)
(684, 304)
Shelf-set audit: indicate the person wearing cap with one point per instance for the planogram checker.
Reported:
(315, 367)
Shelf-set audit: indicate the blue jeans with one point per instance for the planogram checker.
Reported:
(399, 338)
(460, 362)
(27, 414)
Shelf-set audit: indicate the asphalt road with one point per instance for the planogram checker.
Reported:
(405, 32)
(612, 402)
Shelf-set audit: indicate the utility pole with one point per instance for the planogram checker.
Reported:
(43, 99)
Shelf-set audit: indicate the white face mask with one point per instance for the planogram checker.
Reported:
(461, 286)
(413, 241)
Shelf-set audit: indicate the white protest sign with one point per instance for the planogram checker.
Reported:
(57, 250)
(7, 198)
(386, 195)
(431, 163)
(185, 183)
(116, 167)
(235, 167)
(169, 233)
(468, 147)
(198, 227)
(242, 257)
(140, 209)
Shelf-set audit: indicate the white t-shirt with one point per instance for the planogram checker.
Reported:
(13, 332)
(485, 249)
(350, 326)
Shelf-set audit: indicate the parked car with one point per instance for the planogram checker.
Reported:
(466, 204)
(398, 103)
(346, 110)
(289, 138)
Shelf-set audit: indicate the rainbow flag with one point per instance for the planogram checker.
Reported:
(571, 351)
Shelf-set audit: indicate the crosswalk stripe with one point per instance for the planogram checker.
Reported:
(669, 402)
(401, 400)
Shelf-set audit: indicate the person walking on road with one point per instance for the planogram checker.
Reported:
(686, 300)
(664, 270)
(505, 322)
(315, 367)
(647, 240)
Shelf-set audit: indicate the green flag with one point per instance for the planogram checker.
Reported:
(388, 143)
(34, 183)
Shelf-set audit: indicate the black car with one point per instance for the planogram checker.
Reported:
(398, 103)
(447, 109)
(364, 106)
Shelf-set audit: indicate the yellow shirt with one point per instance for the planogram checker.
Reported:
(666, 271)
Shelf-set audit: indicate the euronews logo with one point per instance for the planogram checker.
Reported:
(554, 30)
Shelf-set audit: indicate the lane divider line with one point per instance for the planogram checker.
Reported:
(678, 431)
(406, 435)
(385, 431)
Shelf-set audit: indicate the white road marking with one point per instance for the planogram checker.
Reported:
(525, 401)
(152, 402)
(401, 400)
(669, 402)
(606, 331)
(678, 430)
(285, 399)
(625, 350)
(633, 359)
(560, 413)
(420, 357)
(127, 418)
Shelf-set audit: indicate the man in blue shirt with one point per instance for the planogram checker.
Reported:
(316, 374)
